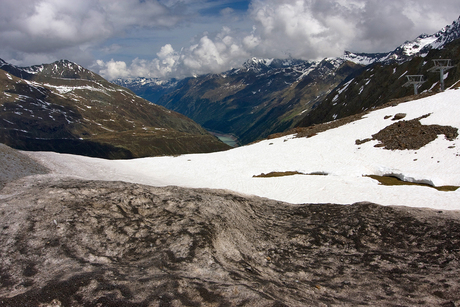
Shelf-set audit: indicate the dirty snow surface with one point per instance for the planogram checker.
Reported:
(333, 166)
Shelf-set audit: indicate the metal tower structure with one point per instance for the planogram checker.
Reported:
(441, 65)
(415, 80)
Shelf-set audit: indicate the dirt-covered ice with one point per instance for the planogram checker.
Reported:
(67, 242)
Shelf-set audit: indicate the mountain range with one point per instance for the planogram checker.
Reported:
(66, 108)
(384, 80)
(267, 96)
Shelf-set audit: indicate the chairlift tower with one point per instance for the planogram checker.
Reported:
(441, 65)
(415, 80)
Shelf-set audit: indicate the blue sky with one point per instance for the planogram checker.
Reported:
(215, 7)
(180, 38)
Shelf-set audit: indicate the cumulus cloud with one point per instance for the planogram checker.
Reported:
(50, 27)
(321, 28)
(209, 54)
(301, 28)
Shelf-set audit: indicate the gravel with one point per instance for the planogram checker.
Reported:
(15, 165)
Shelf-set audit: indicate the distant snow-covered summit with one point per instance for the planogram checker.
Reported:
(447, 34)
(144, 81)
(419, 46)
(258, 64)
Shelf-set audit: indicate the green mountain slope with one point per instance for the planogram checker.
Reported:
(65, 108)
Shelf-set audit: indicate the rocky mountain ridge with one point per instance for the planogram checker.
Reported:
(66, 108)
(420, 46)
(382, 82)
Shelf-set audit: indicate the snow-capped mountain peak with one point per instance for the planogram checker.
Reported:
(143, 81)
(447, 34)
(423, 43)
(411, 48)
(256, 64)
(419, 46)
(62, 69)
(364, 58)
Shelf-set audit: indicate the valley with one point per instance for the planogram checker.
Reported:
(268, 96)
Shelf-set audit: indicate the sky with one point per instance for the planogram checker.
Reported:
(181, 38)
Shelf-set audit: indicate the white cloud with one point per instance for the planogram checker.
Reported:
(45, 26)
(314, 29)
(113, 69)
(210, 54)
(227, 11)
(294, 28)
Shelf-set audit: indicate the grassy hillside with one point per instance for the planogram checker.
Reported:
(65, 108)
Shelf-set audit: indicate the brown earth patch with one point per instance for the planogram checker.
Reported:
(391, 180)
(288, 173)
(412, 134)
(278, 174)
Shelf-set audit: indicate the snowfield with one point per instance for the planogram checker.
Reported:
(333, 153)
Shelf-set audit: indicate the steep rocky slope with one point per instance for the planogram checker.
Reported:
(262, 97)
(380, 83)
(65, 108)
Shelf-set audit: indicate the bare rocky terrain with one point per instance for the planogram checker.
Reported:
(15, 165)
(68, 242)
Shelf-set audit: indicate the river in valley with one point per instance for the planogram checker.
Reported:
(228, 139)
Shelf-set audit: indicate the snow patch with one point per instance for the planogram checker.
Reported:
(333, 152)
(403, 74)
(345, 86)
